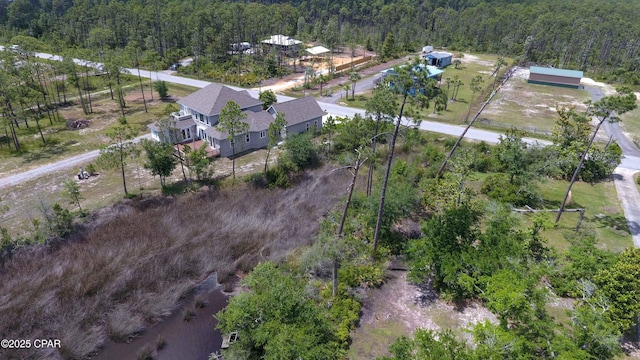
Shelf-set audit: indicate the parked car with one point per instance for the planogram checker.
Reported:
(174, 67)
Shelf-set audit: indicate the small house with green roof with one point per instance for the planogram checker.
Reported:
(555, 77)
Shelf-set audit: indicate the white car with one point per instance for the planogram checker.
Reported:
(14, 47)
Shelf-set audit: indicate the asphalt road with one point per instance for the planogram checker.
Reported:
(629, 200)
(70, 162)
(613, 128)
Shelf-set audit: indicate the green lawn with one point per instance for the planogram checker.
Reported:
(630, 123)
(603, 216)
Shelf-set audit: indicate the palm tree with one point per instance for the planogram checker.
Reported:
(321, 79)
(354, 77)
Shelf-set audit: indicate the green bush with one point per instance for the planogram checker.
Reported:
(580, 262)
(162, 88)
(345, 312)
(497, 187)
(299, 152)
(274, 177)
(366, 275)
(432, 154)
(277, 177)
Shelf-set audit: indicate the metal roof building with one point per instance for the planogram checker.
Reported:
(439, 59)
(434, 72)
(317, 50)
(555, 77)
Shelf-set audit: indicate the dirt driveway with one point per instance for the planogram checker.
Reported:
(399, 308)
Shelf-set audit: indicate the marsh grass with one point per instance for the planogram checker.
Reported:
(133, 263)
(145, 353)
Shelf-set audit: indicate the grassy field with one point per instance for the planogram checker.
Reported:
(530, 106)
(603, 216)
(630, 123)
(63, 142)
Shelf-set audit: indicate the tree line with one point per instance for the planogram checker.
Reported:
(595, 36)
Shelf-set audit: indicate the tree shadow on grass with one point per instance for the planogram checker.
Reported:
(617, 222)
(51, 148)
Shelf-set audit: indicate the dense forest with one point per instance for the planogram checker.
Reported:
(600, 37)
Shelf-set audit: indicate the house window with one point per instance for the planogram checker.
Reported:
(186, 134)
(247, 137)
(307, 126)
(263, 134)
(315, 123)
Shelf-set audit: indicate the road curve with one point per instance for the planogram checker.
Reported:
(623, 174)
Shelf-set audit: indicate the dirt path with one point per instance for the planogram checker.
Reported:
(366, 83)
(399, 308)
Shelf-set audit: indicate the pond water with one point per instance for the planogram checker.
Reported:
(185, 340)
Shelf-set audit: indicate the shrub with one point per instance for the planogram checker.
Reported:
(274, 177)
(161, 342)
(432, 154)
(345, 312)
(497, 187)
(366, 275)
(299, 152)
(201, 301)
(188, 315)
(580, 262)
(162, 88)
(91, 169)
(277, 177)
(145, 353)
(122, 324)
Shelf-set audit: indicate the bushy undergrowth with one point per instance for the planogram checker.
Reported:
(130, 266)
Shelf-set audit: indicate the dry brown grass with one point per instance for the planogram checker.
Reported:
(136, 260)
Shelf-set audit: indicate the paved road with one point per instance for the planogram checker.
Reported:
(623, 174)
(613, 129)
(629, 200)
(71, 162)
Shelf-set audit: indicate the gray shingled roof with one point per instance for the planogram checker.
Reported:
(299, 110)
(257, 121)
(211, 99)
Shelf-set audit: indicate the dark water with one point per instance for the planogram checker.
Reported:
(185, 340)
